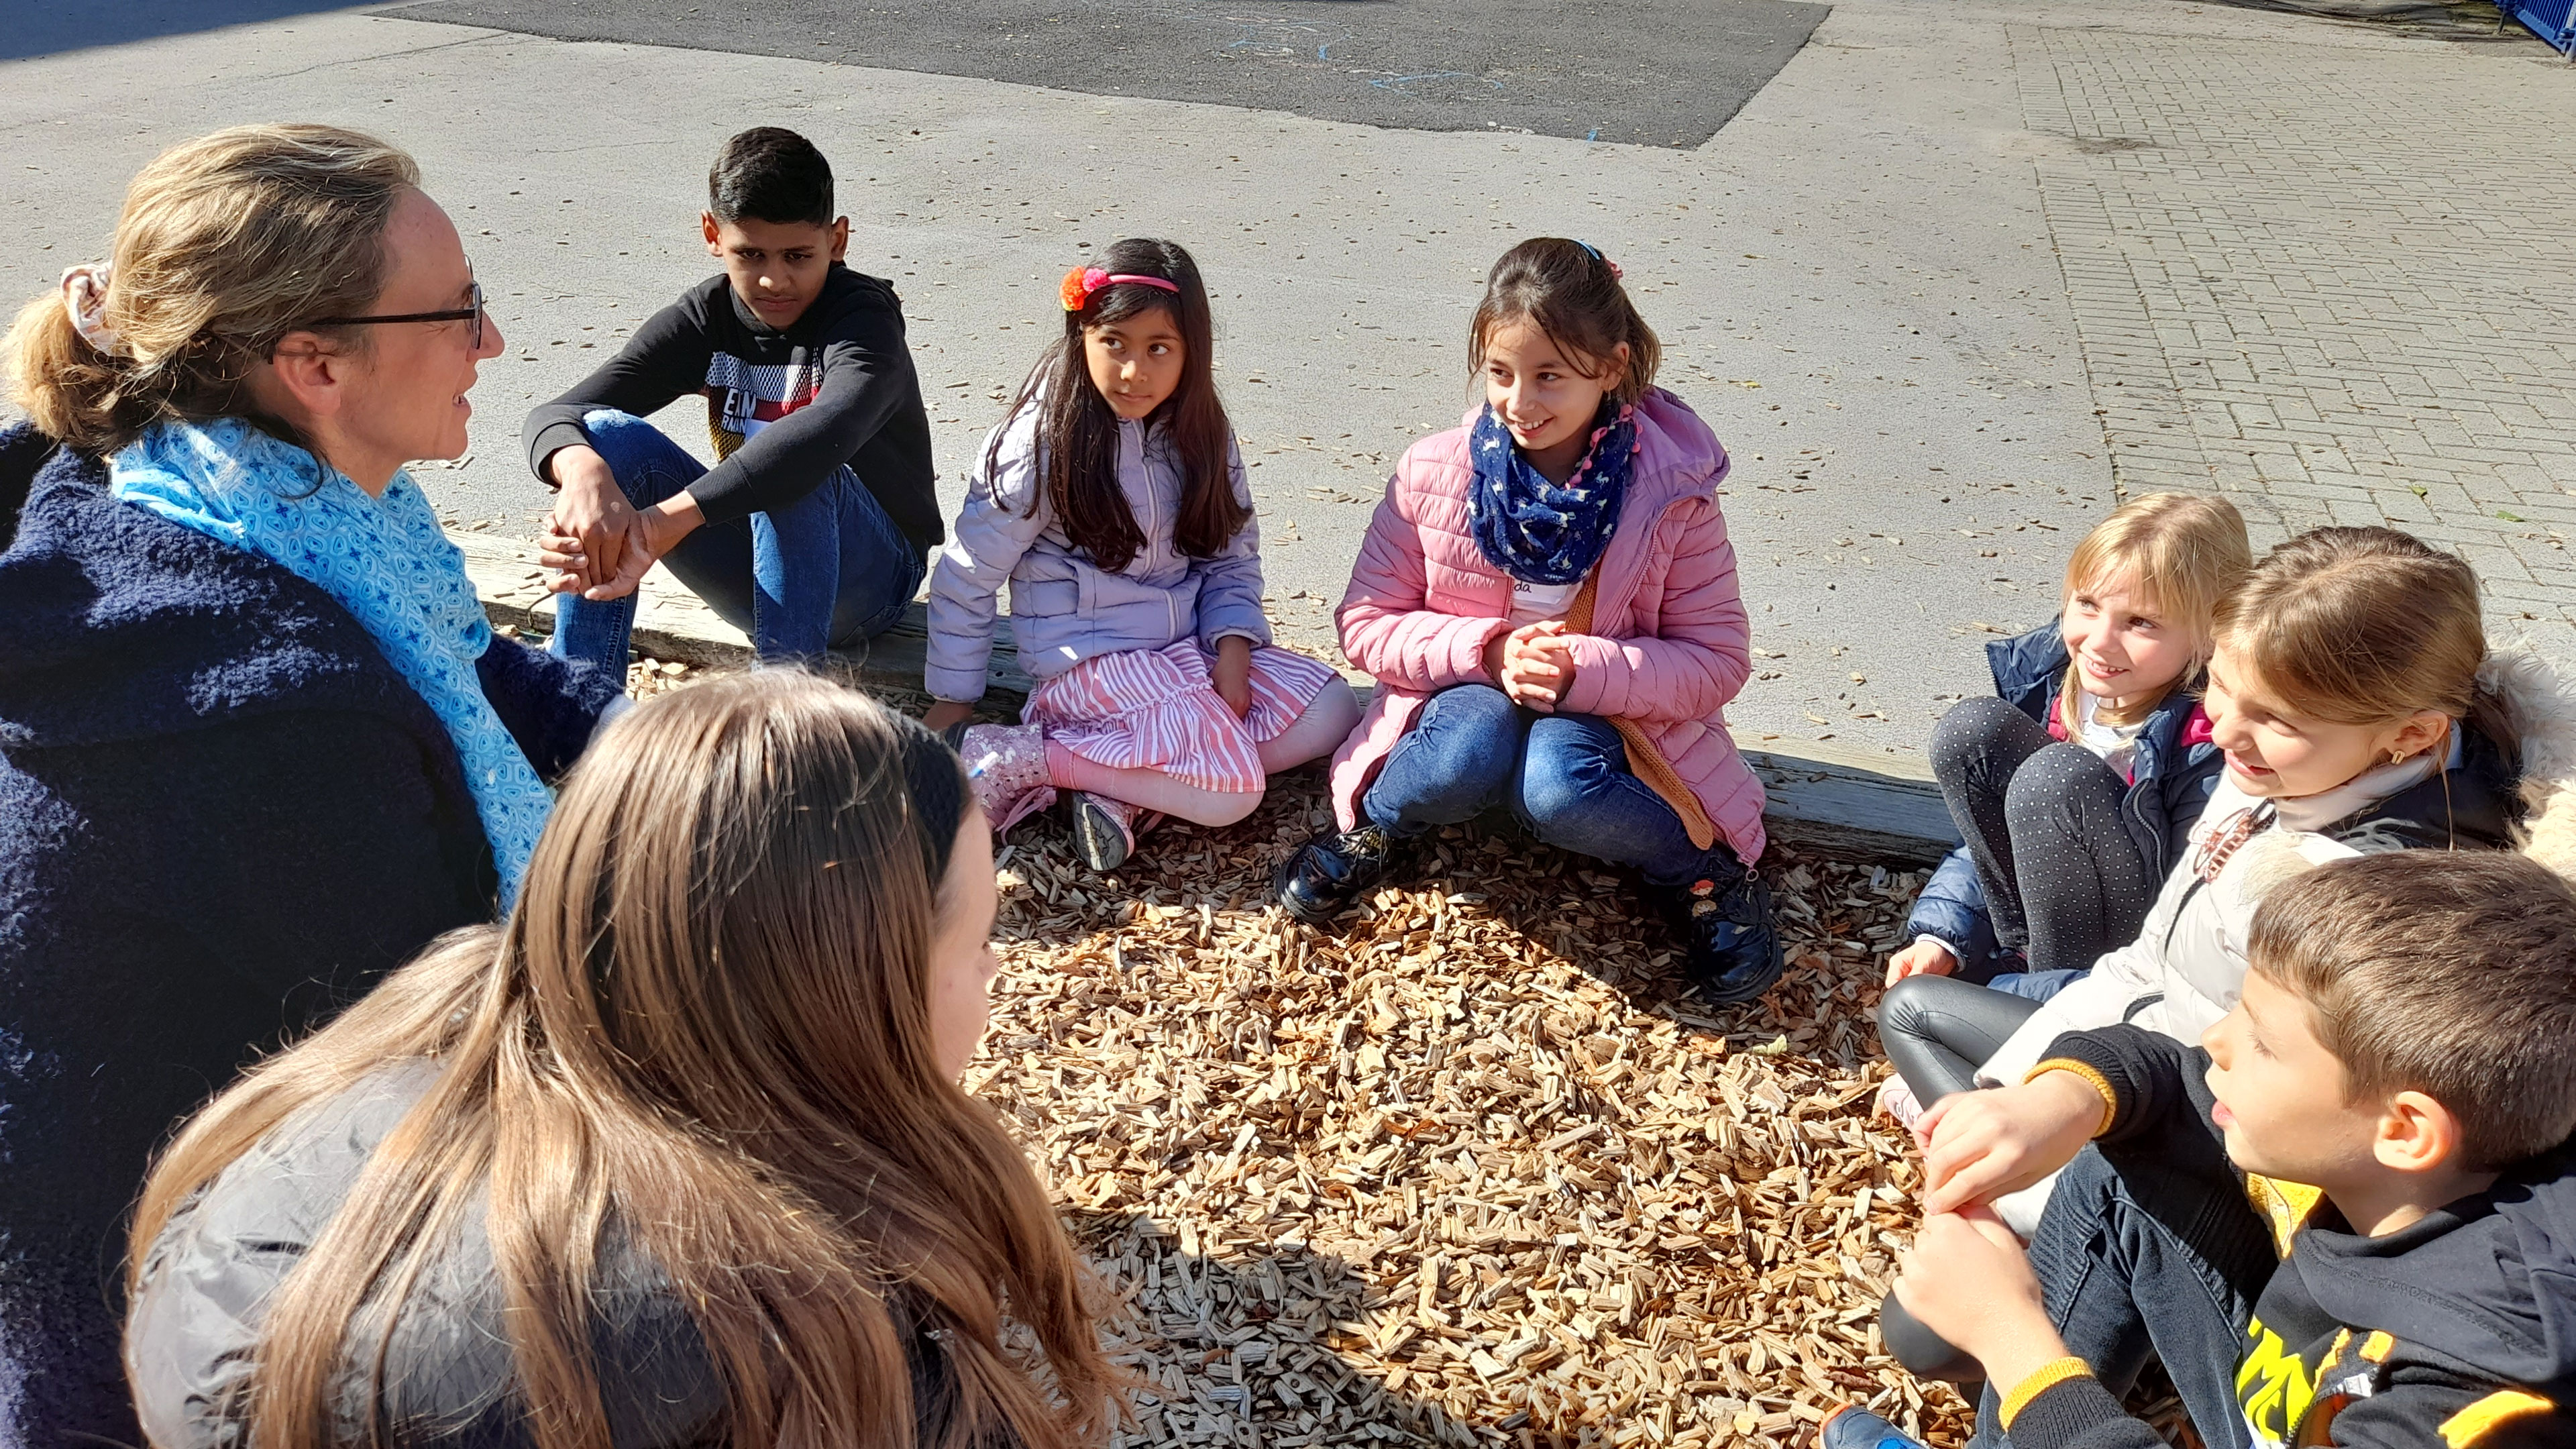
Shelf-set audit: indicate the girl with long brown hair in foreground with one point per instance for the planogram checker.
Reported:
(675, 1156)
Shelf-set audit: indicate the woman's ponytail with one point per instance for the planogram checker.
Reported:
(66, 386)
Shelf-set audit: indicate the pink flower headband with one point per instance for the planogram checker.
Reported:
(1081, 282)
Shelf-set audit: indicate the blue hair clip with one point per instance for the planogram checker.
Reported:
(1616, 275)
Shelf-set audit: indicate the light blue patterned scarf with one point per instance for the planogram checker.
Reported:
(384, 559)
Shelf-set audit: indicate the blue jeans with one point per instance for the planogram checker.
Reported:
(2151, 1246)
(1565, 777)
(828, 569)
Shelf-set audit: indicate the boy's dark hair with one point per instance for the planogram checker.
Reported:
(1571, 293)
(769, 173)
(1077, 439)
(2451, 973)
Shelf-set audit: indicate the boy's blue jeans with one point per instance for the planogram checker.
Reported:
(1565, 777)
(829, 569)
(2151, 1247)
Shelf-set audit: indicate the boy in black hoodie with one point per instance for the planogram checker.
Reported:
(814, 529)
(2395, 1089)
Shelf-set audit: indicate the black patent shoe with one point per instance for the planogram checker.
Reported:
(1328, 873)
(1731, 951)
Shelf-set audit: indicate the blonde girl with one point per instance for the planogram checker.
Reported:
(2076, 786)
(677, 1155)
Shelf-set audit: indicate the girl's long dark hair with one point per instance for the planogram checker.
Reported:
(1077, 439)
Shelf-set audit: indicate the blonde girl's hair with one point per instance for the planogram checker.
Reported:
(2185, 550)
(704, 1032)
(226, 244)
(2361, 626)
(1573, 295)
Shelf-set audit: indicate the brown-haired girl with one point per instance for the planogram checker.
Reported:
(2077, 786)
(2358, 709)
(675, 1156)
(1549, 603)
(1113, 500)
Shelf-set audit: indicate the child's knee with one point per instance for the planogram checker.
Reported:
(1227, 807)
(1337, 706)
(1562, 772)
(1971, 729)
(2049, 783)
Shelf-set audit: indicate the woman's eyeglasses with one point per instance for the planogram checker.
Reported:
(473, 314)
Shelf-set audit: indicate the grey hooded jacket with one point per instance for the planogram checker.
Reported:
(448, 1379)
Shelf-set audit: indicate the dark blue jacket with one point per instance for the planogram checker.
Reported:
(222, 816)
(2168, 784)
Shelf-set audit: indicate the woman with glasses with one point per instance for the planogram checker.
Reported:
(257, 743)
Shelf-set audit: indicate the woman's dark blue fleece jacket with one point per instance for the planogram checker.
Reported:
(2169, 782)
(222, 816)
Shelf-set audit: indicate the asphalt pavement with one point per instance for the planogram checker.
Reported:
(1652, 72)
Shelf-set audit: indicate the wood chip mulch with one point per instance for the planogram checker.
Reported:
(1471, 1171)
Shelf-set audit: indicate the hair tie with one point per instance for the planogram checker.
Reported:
(936, 784)
(1616, 274)
(1081, 282)
(85, 302)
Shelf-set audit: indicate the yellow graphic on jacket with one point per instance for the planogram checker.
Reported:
(2274, 1387)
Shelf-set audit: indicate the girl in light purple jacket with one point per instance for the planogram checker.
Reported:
(1113, 500)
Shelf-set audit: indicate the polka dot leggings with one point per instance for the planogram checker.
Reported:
(2064, 881)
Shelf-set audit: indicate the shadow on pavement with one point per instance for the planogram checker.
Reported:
(47, 27)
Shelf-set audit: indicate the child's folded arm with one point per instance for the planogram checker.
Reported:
(1230, 583)
(1952, 910)
(867, 375)
(995, 528)
(2418, 1404)
(666, 358)
(1385, 629)
(1700, 655)
(2064, 1407)
(2143, 1075)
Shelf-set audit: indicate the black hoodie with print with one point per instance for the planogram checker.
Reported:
(2457, 1332)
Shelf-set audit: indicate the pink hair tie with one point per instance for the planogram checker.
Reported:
(1081, 282)
(1616, 274)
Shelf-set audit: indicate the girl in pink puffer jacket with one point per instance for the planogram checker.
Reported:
(1549, 603)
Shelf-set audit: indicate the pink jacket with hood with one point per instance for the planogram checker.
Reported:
(1669, 642)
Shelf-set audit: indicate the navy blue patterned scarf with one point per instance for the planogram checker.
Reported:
(1541, 532)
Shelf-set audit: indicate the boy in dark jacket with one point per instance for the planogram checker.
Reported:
(813, 529)
(2390, 1102)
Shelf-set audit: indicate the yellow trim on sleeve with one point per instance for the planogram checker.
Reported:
(2378, 1347)
(2471, 1424)
(2047, 1376)
(2099, 1083)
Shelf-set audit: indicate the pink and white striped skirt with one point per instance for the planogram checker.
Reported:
(1157, 709)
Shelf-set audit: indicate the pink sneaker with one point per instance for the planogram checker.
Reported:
(1105, 830)
(1007, 766)
(1897, 1100)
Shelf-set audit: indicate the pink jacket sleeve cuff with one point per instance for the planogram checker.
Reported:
(1597, 661)
(1467, 643)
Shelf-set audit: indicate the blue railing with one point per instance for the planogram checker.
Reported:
(2552, 20)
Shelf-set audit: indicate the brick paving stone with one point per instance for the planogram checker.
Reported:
(2298, 277)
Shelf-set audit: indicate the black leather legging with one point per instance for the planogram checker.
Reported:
(1938, 1031)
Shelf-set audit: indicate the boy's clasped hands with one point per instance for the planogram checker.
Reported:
(1967, 1277)
(1533, 665)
